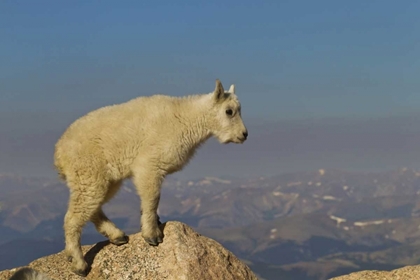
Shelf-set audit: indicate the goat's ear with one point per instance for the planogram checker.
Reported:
(232, 89)
(219, 91)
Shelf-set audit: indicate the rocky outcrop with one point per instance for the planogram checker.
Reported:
(405, 273)
(184, 254)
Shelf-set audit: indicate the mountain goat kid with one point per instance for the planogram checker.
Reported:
(144, 139)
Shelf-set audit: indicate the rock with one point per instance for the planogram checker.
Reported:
(405, 273)
(184, 254)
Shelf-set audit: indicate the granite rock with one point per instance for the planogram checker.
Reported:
(184, 254)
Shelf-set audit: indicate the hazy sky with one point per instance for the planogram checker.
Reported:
(289, 60)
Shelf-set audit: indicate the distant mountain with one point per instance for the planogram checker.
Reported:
(19, 252)
(307, 225)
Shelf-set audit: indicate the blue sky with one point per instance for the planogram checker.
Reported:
(289, 59)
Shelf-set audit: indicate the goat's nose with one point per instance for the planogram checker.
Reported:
(245, 134)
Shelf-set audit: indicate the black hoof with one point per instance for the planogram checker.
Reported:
(120, 240)
(80, 272)
(154, 241)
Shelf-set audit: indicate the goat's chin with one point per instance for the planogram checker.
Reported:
(222, 140)
(225, 141)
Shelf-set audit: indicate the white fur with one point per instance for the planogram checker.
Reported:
(145, 138)
(28, 273)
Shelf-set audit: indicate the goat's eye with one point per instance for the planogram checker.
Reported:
(229, 112)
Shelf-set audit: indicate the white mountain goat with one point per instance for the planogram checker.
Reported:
(144, 139)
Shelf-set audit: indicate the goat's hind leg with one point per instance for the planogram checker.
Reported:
(108, 229)
(74, 222)
(103, 224)
(82, 207)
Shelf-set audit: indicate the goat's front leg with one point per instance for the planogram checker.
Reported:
(148, 182)
(158, 218)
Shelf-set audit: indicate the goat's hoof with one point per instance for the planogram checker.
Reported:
(120, 240)
(154, 241)
(80, 272)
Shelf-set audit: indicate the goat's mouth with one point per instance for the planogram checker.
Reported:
(238, 140)
(241, 139)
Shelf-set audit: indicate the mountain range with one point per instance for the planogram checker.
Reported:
(302, 225)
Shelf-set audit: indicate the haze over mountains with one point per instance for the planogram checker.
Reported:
(383, 143)
(300, 225)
